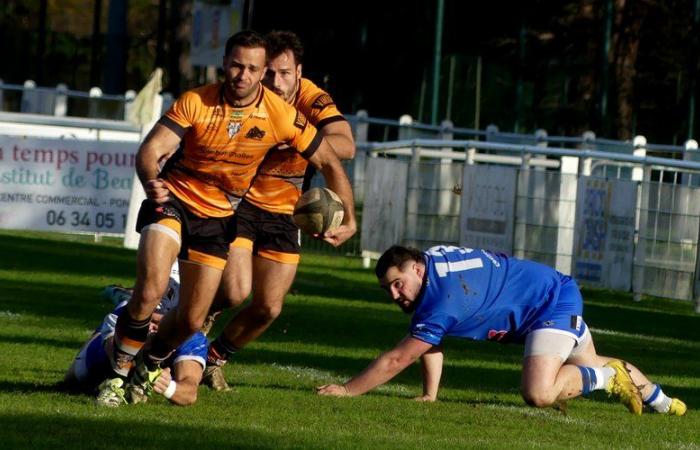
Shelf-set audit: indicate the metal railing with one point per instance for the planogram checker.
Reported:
(552, 216)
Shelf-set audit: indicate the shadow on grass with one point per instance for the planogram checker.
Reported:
(24, 430)
(31, 254)
(53, 300)
(44, 341)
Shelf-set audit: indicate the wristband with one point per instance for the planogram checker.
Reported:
(170, 390)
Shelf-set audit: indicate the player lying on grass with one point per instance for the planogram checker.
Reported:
(179, 380)
(476, 294)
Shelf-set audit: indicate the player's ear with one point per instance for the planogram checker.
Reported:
(419, 269)
(298, 71)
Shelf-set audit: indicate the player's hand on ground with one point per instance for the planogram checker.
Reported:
(157, 190)
(334, 390)
(338, 235)
(425, 398)
(163, 381)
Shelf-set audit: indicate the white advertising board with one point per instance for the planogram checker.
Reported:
(213, 22)
(65, 185)
(605, 222)
(487, 211)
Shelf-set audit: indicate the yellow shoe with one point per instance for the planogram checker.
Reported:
(622, 386)
(677, 408)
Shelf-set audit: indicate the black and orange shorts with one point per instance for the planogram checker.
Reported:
(271, 236)
(202, 240)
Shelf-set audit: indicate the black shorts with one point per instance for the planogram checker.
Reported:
(202, 240)
(268, 235)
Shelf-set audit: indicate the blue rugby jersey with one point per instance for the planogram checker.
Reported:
(476, 294)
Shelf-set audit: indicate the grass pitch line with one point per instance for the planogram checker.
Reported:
(658, 339)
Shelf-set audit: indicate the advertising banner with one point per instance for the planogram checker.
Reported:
(488, 200)
(65, 185)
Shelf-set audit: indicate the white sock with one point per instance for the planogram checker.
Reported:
(602, 375)
(658, 400)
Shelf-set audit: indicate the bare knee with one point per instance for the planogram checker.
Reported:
(190, 325)
(266, 313)
(539, 398)
(234, 293)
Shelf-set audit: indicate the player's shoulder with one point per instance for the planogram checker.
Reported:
(207, 94)
(279, 112)
(313, 97)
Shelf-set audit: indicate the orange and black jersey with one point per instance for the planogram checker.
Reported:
(278, 184)
(222, 145)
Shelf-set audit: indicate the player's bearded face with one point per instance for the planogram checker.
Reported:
(243, 69)
(403, 285)
(282, 76)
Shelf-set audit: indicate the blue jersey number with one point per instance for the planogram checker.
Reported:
(443, 268)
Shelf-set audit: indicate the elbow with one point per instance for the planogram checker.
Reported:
(349, 152)
(396, 364)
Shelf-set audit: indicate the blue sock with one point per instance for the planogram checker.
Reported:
(589, 379)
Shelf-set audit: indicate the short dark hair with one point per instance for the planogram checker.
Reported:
(279, 42)
(395, 256)
(247, 39)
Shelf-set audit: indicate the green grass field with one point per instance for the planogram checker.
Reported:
(335, 321)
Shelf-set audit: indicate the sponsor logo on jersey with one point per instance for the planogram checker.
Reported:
(300, 121)
(322, 101)
(237, 115)
(255, 133)
(497, 335)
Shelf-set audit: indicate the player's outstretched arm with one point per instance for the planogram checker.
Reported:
(431, 366)
(160, 142)
(328, 163)
(381, 370)
(183, 386)
(339, 136)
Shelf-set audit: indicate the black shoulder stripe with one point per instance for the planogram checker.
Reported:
(313, 146)
(322, 101)
(173, 126)
(327, 120)
(300, 121)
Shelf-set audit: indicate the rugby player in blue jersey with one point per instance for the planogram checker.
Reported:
(178, 382)
(476, 294)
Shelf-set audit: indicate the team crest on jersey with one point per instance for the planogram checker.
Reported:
(233, 128)
(300, 121)
(322, 101)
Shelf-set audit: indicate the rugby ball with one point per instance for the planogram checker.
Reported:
(318, 210)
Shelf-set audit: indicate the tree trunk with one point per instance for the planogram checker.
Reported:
(629, 18)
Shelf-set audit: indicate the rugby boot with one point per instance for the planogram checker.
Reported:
(111, 393)
(622, 386)
(214, 379)
(209, 322)
(140, 387)
(677, 408)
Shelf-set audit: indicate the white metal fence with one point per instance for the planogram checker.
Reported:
(541, 203)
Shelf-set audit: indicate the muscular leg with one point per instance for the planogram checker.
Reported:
(236, 281)
(197, 290)
(156, 255)
(546, 379)
(589, 357)
(271, 281)
(157, 252)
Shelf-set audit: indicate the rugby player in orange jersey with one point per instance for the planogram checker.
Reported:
(265, 253)
(222, 133)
